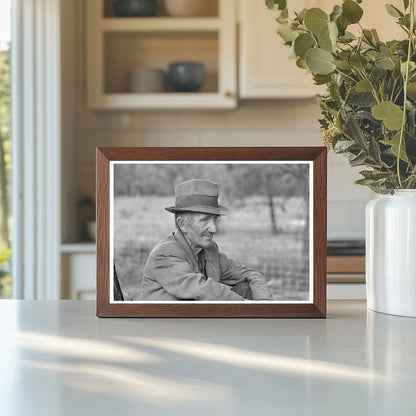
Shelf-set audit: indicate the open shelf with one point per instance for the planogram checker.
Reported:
(160, 24)
(127, 51)
(118, 45)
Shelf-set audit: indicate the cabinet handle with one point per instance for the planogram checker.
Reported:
(229, 94)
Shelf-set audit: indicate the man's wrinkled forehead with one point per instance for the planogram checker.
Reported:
(199, 216)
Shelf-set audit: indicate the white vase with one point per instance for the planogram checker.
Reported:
(391, 253)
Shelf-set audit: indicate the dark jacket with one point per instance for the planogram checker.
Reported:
(172, 273)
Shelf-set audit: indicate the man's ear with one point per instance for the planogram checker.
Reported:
(180, 221)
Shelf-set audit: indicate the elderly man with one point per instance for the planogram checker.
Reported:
(187, 265)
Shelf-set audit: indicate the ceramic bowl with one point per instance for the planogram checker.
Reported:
(135, 8)
(191, 8)
(92, 230)
(147, 80)
(186, 76)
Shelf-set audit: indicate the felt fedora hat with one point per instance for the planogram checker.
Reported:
(197, 195)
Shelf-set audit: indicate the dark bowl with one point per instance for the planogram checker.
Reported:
(186, 76)
(135, 8)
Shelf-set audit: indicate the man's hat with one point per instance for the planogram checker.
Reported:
(197, 195)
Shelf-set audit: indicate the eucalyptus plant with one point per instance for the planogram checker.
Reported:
(369, 111)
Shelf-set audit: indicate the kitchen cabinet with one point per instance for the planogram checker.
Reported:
(265, 70)
(346, 275)
(78, 262)
(118, 45)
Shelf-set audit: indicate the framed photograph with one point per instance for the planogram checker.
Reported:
(211, 232)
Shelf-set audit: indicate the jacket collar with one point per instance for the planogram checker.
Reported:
(190, 256)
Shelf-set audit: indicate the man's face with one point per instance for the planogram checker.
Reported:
(199, 229)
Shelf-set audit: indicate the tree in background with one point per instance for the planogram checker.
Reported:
(5, 165)
(270, 181)
(4, 143)
(239, 182)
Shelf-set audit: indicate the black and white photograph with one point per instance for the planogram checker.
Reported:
(188, 231)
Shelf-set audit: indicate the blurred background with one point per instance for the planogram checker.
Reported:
(267, 228)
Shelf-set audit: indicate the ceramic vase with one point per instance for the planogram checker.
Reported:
(135, 8)
(391, 253)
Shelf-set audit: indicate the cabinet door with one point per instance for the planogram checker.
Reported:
(78, 276)
(265, 68)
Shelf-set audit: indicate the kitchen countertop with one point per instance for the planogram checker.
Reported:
(57, 358)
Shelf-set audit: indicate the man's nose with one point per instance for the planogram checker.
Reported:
(212, 226)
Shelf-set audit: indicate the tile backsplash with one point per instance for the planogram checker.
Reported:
(254, 123)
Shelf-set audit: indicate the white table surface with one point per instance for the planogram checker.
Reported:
(57, 358)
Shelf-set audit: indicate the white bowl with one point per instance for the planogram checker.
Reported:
(191, 8)
(147, 80)
(92, 230)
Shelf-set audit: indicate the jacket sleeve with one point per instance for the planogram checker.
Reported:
(233, 273)
(178, 278)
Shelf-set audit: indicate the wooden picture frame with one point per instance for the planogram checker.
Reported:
(293, 158)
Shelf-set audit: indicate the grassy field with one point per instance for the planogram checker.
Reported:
(244, 235)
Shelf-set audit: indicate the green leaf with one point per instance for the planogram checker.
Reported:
(347, 37)
(374, 174)
(362, 99)
(345, 65)
(374, 150)
(363, 86)
(368, 36)
(406, 4)
(412, 67)
(353, 131)
(325, 42)
(301, 63)
(382, 89)
(375, 35)
(342, 25)
(321, 79)
(303, 43)
(394, 143)
(319, 61)
(281, 19)
(343, 145)
(411, 90)
(316, 20)
(336, 12)
(276, 4)
(333, 32)
(351, 11)
(393, 11)
(365, 182)
(301, 15)
(287, 33)
(384, 62)
(391, 114)
(358, 61)
(358, 160)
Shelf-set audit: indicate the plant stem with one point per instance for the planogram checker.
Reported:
(346, 75)
(373, 88)
(406, 79)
